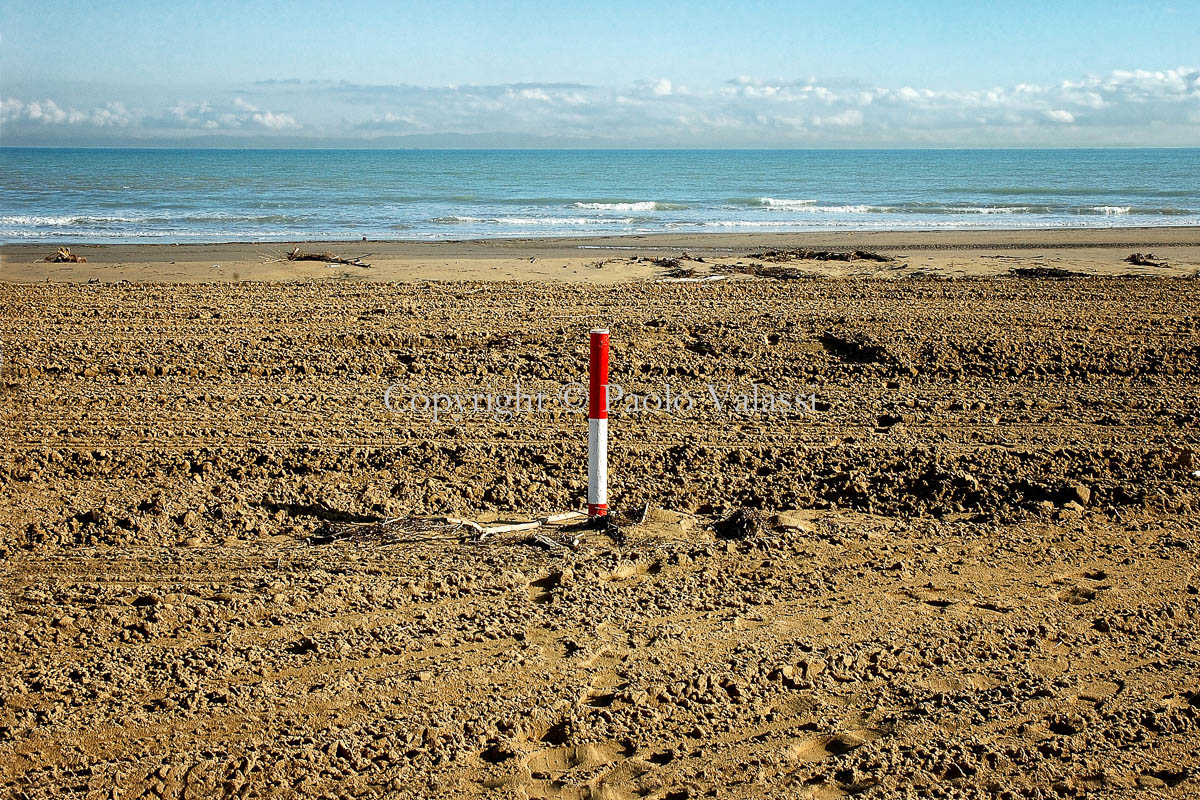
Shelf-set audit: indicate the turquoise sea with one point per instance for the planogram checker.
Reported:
(80, 195)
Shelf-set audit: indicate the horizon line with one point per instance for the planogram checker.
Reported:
(593, 149)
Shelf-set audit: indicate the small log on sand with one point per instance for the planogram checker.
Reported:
(65, 256)
(328, 258)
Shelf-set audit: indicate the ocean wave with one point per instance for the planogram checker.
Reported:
(459, 220)
(939, 209)
(83, 220)
(769, 202)
(641, 205)
(1153, 211)
(783, 202)
(990, 210)
(811, 207)
(171, 235)
(877, 223)
(67, 220)
(1076, 191)
(931, 209)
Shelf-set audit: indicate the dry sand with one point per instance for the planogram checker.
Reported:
(970, 571)
(613, 259)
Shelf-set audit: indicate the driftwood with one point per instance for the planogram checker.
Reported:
(328, 258)
(821, 255)
(674, 270)
(1145, 260)
(776, 271)
(399, 530)
(65, 256)
(1053, 273)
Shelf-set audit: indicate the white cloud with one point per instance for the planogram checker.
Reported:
(847, 119)
(239, 114)
(532, 94)
(1122, 107)
(275, 122)
(49, 113)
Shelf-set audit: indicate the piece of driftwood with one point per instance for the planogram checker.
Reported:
(399, 530)
(563, 517)
(328, 258)
(509, 528)
(1145, 260)
(65, 256)
(528, 526)
(821, 255)
(1052, 273)
(779, 272)
(546, 542)
(475, 526)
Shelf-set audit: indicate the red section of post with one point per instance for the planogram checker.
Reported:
(598, 376)
(598, 425)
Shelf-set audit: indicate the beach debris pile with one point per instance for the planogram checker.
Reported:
(1053, 273)
(1145, 260)
(821, 255)
(675, 269)
(329, 258)
(65, 256)
(776, 271)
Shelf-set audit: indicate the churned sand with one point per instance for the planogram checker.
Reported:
(968, 568)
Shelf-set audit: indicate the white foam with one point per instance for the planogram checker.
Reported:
(989, 210)
(777, 202)
(539, 220)
(1109, 211)
(66, 220)
(646, 205)
(742, 223)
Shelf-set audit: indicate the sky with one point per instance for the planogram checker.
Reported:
(518, 73)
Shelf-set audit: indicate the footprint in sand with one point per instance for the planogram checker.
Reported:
(818, 748)
(542, 590)
(584, 772)
(1078, 595)
(601, 690)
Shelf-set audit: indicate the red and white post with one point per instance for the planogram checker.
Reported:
(598, 425)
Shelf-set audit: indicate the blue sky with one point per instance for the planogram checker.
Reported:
(607, 74)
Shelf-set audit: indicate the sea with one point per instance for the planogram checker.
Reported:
(198, 195)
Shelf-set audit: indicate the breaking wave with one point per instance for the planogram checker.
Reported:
(644, 205)
(458, 220)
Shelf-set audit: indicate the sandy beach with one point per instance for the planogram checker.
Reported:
(615, 259)
(968, 569)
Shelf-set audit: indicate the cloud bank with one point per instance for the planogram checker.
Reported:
(1123, 108)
